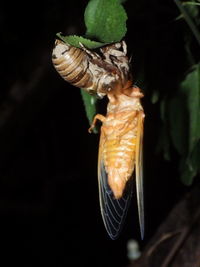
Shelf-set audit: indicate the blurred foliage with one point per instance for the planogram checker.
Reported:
(184, 124)
(180, 112)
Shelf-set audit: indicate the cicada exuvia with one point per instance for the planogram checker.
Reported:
(97, 73)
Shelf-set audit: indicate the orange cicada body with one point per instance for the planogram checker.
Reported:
(120, 156)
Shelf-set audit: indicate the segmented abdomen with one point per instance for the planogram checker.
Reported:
(85, 69)
(119, 159)
(72, 64)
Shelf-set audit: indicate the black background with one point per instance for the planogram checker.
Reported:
(49, 208)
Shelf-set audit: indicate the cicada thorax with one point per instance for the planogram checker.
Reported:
(96, 73)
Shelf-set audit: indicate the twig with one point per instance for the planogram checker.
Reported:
(184, 233)
(175, 247)
(162, 239)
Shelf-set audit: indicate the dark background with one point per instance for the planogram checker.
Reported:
(49, 209)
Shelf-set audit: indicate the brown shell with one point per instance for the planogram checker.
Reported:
(88, 70)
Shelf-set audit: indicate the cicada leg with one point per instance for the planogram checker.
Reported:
(124, 46)
(97, 117)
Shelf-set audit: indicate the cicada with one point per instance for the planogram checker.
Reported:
(120, 157)
(121, 139)
(97, 73)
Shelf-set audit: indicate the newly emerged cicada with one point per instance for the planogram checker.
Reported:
(121, 140)
(120, 157)
(97, 73)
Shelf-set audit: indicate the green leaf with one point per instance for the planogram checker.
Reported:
(75, 40)
(191, 3)
(163, 143)
(164, 138)
(190, 166)
(105, 20)
(191, 87)
(184, 122)
(192, 8)
(184, 113)
(178, 122)
(188, 13)
(90, 106)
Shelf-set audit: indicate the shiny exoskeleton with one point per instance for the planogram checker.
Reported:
(120, 156)
(97, 73)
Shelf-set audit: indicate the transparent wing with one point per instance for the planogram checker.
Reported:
(113, 210)
(139, 171)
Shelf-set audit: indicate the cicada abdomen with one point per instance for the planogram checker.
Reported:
(72, 64)
(96, 73)
(120, 157)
